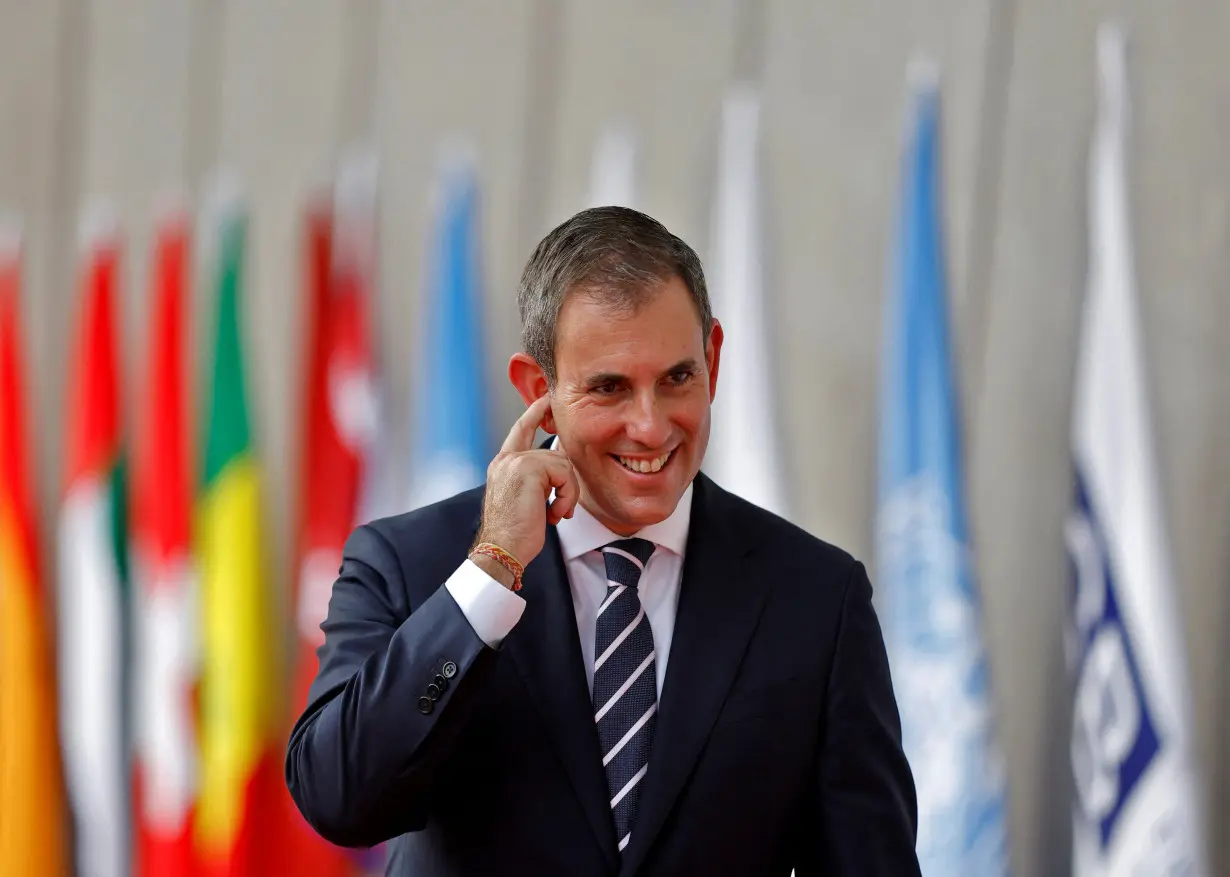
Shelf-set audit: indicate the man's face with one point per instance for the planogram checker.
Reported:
(631, 402)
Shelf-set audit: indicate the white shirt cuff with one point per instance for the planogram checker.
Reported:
(492, 610)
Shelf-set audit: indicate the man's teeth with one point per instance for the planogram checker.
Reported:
(646, 466)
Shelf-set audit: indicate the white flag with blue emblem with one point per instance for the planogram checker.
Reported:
(1135, 811)
(928, 597)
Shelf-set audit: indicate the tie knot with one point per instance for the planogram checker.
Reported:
(625, 560)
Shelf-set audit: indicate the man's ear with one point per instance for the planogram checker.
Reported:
(530, 381)
(713, 357)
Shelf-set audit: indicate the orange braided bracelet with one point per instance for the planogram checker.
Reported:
(503, 558)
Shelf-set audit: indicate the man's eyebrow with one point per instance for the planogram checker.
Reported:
(604, 378)
(689, 364)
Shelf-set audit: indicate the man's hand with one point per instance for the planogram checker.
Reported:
(519, 481)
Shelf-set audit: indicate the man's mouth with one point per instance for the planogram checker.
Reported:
(643, 465)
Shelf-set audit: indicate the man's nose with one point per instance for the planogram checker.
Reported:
(647, 422)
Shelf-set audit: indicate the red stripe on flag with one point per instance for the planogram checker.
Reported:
(93, 414)
(13, 469)
(162, 477)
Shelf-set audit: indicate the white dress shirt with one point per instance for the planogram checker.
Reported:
(493, 610)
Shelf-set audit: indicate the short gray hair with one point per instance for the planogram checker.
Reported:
(615, 254)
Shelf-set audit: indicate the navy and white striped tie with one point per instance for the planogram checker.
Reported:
(625, 681)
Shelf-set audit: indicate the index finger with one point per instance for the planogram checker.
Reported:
(521, 436)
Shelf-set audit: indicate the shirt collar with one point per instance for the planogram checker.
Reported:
(583, 532)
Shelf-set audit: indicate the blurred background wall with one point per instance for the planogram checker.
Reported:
(123, 98)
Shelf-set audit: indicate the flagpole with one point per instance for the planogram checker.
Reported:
(977, 285)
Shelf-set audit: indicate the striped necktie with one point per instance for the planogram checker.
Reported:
(625, 681)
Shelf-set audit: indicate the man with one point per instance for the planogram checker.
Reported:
(679, 683)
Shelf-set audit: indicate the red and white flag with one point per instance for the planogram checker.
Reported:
(341, 434)
(93, 547)
(166, 665)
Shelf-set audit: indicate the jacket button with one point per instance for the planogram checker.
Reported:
(426, 705)
(434, 692)
(440, 682)
(450, 670)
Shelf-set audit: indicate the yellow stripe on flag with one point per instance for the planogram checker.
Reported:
(237, 704)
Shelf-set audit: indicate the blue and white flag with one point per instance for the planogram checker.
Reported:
(1136, 809)
(452, 446)
(929, 602)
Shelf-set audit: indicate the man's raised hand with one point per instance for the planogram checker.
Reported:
(519, 482)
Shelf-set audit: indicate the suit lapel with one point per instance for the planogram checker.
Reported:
(547, 651)
(719, 607)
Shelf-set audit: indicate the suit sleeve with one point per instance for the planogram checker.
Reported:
(868, 811)
(394, 688)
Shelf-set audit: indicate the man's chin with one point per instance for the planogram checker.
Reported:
(632, 514)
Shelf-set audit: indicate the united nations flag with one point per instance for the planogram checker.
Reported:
(930, 607)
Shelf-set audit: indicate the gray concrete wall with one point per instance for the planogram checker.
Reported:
(127, 97)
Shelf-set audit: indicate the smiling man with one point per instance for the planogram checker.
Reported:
(601, 663)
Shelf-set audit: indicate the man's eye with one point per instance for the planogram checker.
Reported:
(681, 377)
(607, 389)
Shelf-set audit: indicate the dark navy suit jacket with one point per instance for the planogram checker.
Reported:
(778, 743)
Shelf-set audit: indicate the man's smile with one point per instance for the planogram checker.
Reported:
(644, 465)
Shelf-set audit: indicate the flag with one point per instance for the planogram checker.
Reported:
(93, 572)
(342, 425)
(240, 717)
(452, 442)
(1131, 752)
(326, 502)
(612, 179)
(33, 829)
(744, 454)
(361, 411)
(930, 605)
(166, 612)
